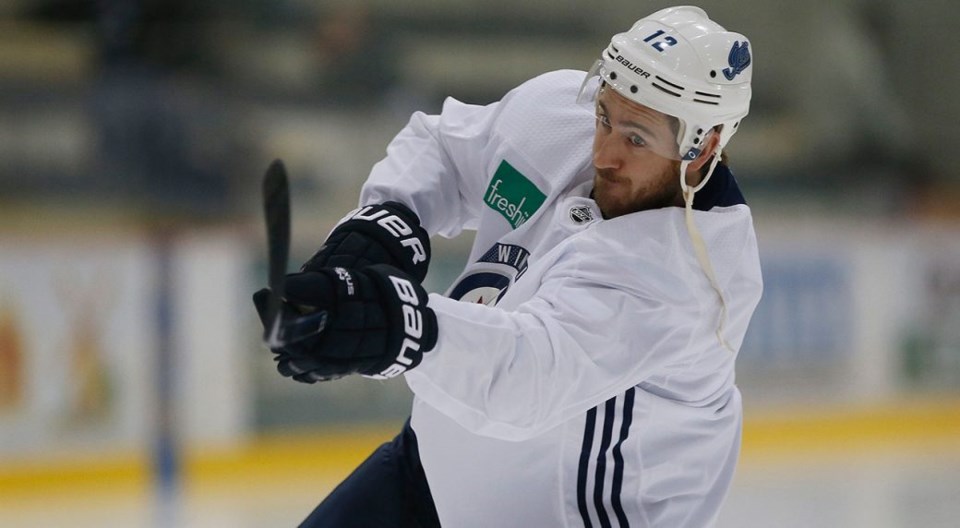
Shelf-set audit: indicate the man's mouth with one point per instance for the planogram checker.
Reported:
(608, 177)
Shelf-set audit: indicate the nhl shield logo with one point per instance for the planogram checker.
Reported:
(581, 214)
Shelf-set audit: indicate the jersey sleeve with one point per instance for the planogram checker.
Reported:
(436, 166)
(584, 337)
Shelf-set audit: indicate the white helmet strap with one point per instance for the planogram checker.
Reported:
(699, 246)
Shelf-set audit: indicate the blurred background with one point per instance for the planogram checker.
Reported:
(133, 136)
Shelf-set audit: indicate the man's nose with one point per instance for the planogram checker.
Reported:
(606, 154)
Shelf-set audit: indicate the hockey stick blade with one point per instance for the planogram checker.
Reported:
(276, 209)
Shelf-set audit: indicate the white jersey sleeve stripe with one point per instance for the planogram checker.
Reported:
(588, 432)
(628, 398)
(603, 456)
(609, 416)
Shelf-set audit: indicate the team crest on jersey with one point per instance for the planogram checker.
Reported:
(512, 195)
(488, 287)
(481, 288)
(739, 59)
(516, 257)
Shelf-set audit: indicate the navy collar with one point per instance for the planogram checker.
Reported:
(720, 191)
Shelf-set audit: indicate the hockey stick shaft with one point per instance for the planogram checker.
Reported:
(276, 209)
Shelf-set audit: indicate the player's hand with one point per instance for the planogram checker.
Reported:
(387, 233)
(377, 323)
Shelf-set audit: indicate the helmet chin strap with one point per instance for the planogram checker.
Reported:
(699, 246)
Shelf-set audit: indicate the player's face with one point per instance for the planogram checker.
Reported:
(630, 174)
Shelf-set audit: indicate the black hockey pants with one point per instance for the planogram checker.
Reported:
(388, 490)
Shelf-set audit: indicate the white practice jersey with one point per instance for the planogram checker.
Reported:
(578, 379)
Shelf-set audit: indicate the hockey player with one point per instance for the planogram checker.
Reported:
(580, 371)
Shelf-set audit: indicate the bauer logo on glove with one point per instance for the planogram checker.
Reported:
(387, 233)
(377, 323)
(412, 328)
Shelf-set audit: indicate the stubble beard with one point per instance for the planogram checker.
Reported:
(609, 189)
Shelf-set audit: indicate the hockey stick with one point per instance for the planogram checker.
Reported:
(276, 210)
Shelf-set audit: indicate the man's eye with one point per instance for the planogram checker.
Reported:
(637, 141)
(604, 120)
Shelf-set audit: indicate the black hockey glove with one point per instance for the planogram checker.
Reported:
(387, 233)
(336, 321)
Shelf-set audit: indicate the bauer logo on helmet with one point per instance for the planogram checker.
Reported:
(632, 67)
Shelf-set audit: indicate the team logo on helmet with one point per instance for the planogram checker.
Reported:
(739, 60)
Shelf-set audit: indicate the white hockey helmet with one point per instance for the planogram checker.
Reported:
(679, 62)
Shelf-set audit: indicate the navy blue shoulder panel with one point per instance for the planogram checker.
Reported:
(721, 191)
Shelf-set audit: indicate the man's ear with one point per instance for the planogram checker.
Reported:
(709, 149)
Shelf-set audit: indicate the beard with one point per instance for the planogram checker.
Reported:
(617, 195)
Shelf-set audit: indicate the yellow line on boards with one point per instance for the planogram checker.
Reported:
(776, 434)
(335, 453)
(852, 430)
